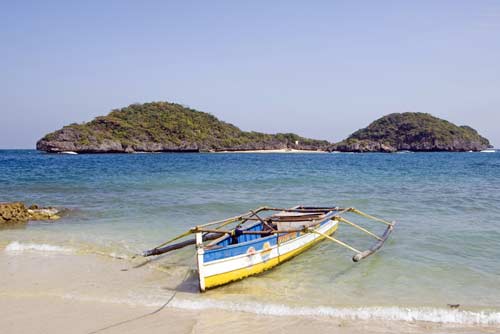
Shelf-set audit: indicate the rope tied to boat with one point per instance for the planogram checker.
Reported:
(120, 323)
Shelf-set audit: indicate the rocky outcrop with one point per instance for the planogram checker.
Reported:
(17, 212)
(360, 146)
(13, 213)
(165, 127)
(48, 213)
(413, 132)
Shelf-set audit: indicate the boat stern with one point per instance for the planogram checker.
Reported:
(199, 260)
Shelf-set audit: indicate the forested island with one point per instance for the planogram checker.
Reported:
(418, 132)
(166, 127)
(171, 127)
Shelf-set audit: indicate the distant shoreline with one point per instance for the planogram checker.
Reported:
(281, 151)
(284, 150)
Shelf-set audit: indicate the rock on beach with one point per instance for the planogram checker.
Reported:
(17, 212)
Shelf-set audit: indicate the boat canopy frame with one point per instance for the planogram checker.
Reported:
(213, 230)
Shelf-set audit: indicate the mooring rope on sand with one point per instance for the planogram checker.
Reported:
(144, 315)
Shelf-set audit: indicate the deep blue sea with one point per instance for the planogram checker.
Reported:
(444, 250)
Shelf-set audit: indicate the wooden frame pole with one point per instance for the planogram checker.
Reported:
(336, 240)
(343, 220)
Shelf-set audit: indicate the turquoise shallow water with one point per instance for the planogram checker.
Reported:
(446, 248)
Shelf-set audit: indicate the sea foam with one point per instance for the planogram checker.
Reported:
(427, 314)
(380, 313)
(395, 313)
(16, 246)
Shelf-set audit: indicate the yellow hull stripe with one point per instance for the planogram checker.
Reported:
(224, 278)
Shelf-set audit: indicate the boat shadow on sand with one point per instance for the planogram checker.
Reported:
(190, 281)
(188, 278)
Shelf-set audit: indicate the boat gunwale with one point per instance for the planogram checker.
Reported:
(216, 241)
(247, 243)
(327, 216)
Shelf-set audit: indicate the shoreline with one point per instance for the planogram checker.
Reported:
(284, 150)
(70, 316)
(82, 293)
(281, 151)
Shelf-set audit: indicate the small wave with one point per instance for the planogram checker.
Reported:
(21, 247)
(135, 301)
(425, 314)
(107, 253)
(395, 313)
(119, 256)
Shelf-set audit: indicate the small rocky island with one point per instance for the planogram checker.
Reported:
(170, 127)
(413, 132)
(166, 127)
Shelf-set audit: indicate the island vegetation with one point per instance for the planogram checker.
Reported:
(413, 132)
(166, 127)
(171, 127)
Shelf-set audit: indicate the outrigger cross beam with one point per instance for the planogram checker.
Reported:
(265, 237)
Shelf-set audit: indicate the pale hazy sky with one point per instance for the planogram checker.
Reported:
(321, 69)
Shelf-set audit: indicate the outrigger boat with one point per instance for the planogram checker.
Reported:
(264, 238)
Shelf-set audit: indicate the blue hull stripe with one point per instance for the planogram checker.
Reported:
(245, 241)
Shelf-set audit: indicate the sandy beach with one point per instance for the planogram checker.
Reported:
(284, 150)
(83, 293)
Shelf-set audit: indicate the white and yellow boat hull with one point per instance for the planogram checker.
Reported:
(229, 263)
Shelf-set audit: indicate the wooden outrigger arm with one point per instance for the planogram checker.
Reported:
(165, 248)
(360, 255)
(334, 240)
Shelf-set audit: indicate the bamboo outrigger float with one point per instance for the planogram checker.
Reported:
(264, 238)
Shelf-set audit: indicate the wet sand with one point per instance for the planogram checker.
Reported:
(75, 293)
